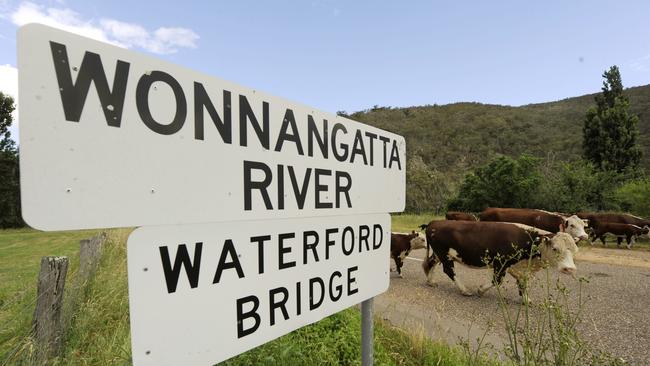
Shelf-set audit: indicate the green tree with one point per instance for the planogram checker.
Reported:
(610, 131)
(10, 215)
(503, 182)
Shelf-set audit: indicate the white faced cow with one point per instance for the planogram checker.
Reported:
(502, 246)
(402, 244)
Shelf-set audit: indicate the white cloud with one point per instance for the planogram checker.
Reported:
(65, 19)
(161, 41)
(9, 85)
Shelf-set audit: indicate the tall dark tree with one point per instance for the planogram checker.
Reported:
(10, 215)
(610, 131)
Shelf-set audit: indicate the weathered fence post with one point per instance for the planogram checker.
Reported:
(49, 301)
(90, 251)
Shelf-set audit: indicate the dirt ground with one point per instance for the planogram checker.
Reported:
(616, 311)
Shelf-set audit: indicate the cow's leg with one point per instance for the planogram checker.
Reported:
(619, 239)
(521, 271)
(428, 265)
(448, 268)
(497, 278)
(630, 241)
(602, 238)
(398, 265)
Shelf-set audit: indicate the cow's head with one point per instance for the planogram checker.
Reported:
(558, 251)
(418, 241)
(646, 230)
(575, 227)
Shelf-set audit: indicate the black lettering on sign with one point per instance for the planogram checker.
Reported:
(228, 251)
(375, 229)
(252, 313)
(289, 120)
(320, 188)
(142, 102)
(313, 303)
(182, 259)
(299, 193)
(339, 287)
(343, 189)
(394, 156)
(202, 101)
(260, 250)
(358, 148)
(385, 141)
(364, 233)
(307, 245)
(312, 132)
(297, 298)
(262, 186)
(282, 250)
(274, 304)
(351, 280)
(246, 114)
(73, 95)
(348, 230)
(372, 137)
(342, 157)
(329, 242)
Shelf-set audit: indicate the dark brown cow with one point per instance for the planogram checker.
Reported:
(615, 218)
(540, 219)
(620, 230)
(460, 216)
(596, 218)
(401, 245)
(502, 246)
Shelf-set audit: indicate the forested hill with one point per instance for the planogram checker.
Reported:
(456, 137)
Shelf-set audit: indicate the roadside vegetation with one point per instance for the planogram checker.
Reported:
(98, 315)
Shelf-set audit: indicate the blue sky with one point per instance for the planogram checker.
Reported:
(351, 55)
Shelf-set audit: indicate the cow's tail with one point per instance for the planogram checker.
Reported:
(429, 260)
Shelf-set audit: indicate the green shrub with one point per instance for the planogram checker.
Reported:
(503, 182)
(634, 197)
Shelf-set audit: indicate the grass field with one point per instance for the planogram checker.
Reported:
(409, 222)
(98, 314)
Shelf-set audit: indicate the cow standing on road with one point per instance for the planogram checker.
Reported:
(630, 232)
(540, 219)
(401, 245)
(595, 219)
(501, 246)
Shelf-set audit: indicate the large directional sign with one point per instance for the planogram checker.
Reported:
(114, 138)
(200, 294)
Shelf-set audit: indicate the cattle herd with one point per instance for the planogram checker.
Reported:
(511, 240)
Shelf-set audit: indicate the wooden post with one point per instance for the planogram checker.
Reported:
(49, 301)
(90, 251)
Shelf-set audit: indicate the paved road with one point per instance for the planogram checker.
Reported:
(616, 313)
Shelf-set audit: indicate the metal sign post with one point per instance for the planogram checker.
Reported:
(367, 332)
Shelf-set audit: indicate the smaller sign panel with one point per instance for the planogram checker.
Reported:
(200, 294)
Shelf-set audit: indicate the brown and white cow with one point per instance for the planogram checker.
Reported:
(615, 218)
(499, 245)
(402, 244)
(629, 231)
(540, 219)
(460, 216)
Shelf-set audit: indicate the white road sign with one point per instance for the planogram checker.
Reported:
(202, 293)
(112, 138)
